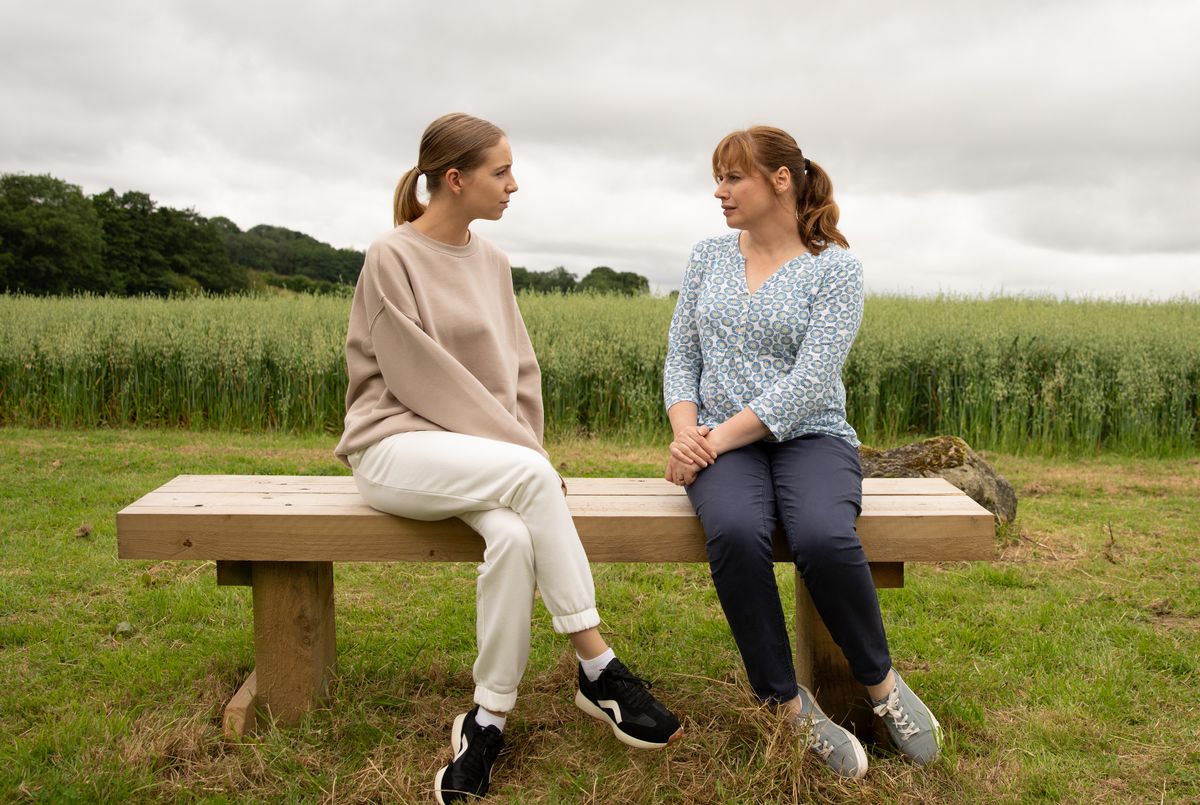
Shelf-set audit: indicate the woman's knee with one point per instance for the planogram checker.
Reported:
(505, 535)
(730, 538)
(816, 544)
(535, 469)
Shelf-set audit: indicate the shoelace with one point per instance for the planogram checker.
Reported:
(636, 687)
(890, 708)
(816, 743)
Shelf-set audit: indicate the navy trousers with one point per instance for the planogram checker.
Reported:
(812, 485)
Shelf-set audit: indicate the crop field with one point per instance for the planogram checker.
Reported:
(1015, 374)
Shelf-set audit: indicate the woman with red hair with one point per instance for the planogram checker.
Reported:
(752, 385)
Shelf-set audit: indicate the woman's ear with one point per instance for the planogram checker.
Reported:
(781, 180)
(453, 180)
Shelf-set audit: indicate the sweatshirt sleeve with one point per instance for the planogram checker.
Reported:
(423, 376)
(815, 379)
(529, 381)
(681, 372)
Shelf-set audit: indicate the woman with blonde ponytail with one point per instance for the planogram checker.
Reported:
(444, 419)
(753, 390)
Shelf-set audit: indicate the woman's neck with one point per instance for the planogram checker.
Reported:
(441, 224)
(774, 237)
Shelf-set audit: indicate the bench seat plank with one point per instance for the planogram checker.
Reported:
(334, 484)
(181, 520)
(188, 503)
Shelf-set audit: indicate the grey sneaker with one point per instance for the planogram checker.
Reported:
(915, 731)
(835, 745)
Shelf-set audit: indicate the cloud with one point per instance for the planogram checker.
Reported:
(1000, 135)
(1127, 213)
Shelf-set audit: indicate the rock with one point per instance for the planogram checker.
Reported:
(946, 457)
(123, 629)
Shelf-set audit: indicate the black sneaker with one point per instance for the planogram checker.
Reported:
(622, 701)
(475, 750)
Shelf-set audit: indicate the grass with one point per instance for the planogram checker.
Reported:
(1064, 671)
(1021, 375)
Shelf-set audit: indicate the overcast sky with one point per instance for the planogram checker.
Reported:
(1018, 147)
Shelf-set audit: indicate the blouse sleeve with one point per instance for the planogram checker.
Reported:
(814, 382)
(681, 372)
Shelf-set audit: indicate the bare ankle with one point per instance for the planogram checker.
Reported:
(877, 692)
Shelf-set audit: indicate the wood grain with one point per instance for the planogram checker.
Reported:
(334, 484)
(240, 718)
(294, 649)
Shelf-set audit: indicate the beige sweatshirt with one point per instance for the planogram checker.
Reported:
(436, 342)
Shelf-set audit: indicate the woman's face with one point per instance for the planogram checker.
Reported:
(486, 188)
(746, 197)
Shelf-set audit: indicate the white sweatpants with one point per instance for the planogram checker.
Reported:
(513, 498)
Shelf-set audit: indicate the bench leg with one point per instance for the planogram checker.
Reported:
(822, 668)
(294, 651)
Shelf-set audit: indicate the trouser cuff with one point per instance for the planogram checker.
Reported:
(496, 702)
(570, 624)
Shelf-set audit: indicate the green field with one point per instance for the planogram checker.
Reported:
(1027, 376)
(1066, 670)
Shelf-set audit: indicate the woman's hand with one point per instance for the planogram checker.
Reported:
(679, 473)
(691, 446)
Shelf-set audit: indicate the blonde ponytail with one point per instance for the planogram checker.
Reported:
(405, 205)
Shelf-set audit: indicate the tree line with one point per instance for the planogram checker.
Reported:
(56, 240)
(600, 279)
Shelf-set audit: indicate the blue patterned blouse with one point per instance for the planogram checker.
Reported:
(778, 351)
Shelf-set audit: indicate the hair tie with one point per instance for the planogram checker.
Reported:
(420, 172)
(807, 165)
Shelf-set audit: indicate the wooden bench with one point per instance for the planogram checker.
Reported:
(281, 535)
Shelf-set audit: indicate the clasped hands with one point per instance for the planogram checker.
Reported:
(690, 453)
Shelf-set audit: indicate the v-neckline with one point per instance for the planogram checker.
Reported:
(742, 272)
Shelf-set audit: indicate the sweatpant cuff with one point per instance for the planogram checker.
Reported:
(496, 702)
(570, 624)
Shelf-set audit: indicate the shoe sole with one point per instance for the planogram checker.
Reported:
(859, 756)
(437, 785)
(455, 740)
(585, 704)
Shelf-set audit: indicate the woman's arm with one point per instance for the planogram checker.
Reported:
(739, 430)
(681, 374)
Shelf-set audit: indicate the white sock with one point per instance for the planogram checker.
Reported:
(485, 717)
(594, 667)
